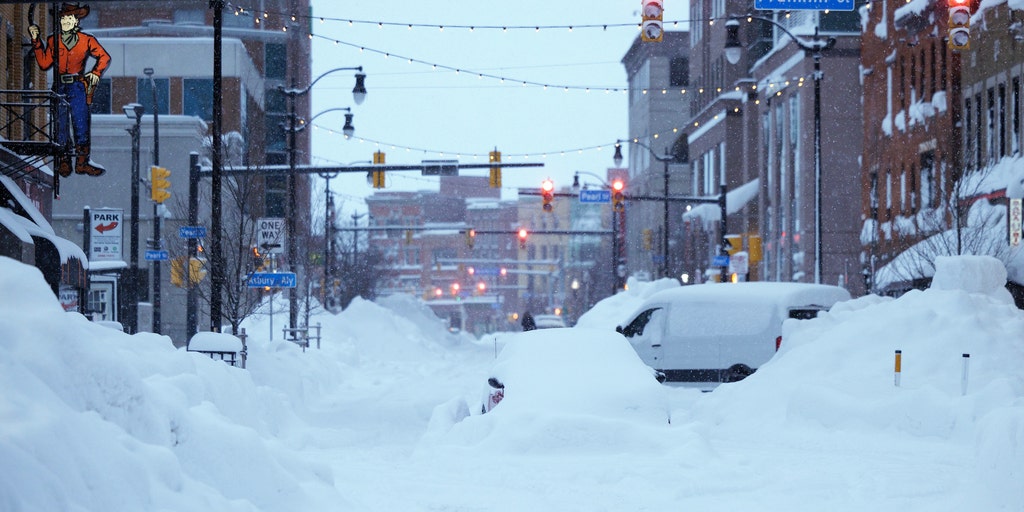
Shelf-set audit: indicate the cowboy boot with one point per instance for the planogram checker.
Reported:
(63, 166)
(85, 166)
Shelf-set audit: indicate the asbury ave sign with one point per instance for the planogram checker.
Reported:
(271, 280)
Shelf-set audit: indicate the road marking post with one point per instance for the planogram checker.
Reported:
(899, 360)
(963, 376)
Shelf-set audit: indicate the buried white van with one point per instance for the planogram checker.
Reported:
(711, 333)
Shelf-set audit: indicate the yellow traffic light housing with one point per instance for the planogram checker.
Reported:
(651, 27)
(648, 239)
(378, 176)
(495, 177)
(160, 184)
(960, 24)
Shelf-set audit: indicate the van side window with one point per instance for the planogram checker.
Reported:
(804, 313)
(636, 327)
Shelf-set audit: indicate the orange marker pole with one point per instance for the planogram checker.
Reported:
(899, 359)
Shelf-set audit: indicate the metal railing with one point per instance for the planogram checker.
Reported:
(28, 121)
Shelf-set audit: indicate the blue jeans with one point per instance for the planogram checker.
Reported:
(74, 93)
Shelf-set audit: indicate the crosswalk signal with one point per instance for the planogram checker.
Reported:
(618, 197)
(378, 175)
(547, 191)
(159, 183)
(651, 28)
(960, 24)
(495, 178)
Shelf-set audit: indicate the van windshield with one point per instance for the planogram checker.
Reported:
(722, 319)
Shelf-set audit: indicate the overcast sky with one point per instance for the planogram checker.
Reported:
(415, 112)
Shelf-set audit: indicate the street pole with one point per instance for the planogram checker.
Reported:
(156, 205)
(818, 269)
(214, 257)
(664, 232)
(192, 299)
(134, 110)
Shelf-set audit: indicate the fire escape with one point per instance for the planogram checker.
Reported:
(28, 132)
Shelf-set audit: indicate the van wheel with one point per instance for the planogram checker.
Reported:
(738, 372)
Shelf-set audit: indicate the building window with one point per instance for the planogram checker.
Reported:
(928, 179)
(1001, 132)
(969, 161)
(198, 98)
(1015, 116)
(275, 196)
(144, 94)
(679, 72)
(276, 56)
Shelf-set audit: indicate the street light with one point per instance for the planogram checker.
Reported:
(665, 159)
(358, 95)
(814, 47)
(134, 111)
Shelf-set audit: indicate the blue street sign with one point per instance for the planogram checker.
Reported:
(192, 232)
(722, 260)
(487, 271)
(152, 255)
(595, 196)
(272, 280)
(803, 5)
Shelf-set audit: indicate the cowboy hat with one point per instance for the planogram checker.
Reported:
(73, 9)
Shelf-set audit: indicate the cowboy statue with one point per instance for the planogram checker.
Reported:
(74, 83)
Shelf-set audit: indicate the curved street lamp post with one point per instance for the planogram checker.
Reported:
(294, 126)
(814, 47)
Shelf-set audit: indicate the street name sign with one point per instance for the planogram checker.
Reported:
(152, 255)
(721, 260)
(272, 280)
(803, 5)
(192, 232)
(595, 196)
(270, 234)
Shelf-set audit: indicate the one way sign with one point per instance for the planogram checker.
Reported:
(270, 235)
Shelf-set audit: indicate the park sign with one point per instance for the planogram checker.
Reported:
(106, 234)
(803, 5)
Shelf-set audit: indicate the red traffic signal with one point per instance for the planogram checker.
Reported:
(618, 197)
(522, 238)
(547, 191)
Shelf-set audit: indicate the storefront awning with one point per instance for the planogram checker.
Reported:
(19, 216)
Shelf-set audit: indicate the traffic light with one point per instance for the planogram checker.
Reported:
(735, 244)
(495, 179)
(960, 24)
(378, 176)
(159, 183)
(481, 288)
(547, 191)
(648, 239)
(651, 28)
(617, 196)
(470, 237)
(408, 237)
(522, 238)
(196, 272)
(257, 259)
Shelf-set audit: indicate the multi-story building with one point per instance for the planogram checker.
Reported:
(657, 154)
(752, 129)
(424, 238)
(914, 127)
